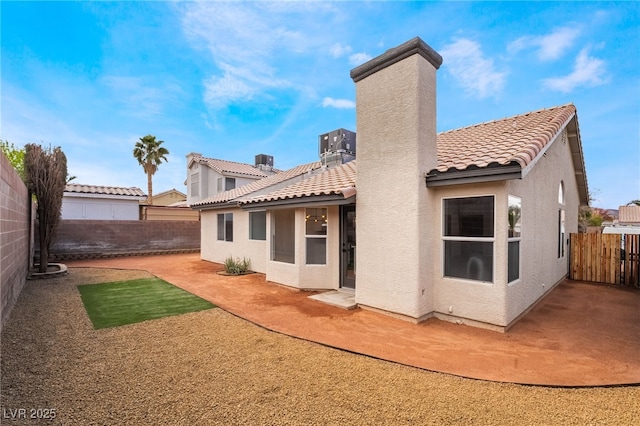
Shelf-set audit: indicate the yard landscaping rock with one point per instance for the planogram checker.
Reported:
(211, 367)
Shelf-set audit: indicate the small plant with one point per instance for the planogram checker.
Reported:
(236, 266)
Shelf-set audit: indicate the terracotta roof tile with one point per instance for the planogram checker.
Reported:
(515, 139)
(258, 185)
(231, 167)
(629, 214)
(104, 190)
(326, 181)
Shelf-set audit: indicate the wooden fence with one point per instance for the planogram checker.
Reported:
(606, 258)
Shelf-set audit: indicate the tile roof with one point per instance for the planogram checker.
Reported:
(230, 167)
(629, 214)
(103, 190)
(340, 180)
(258, 185)
(515, 139)
(519, 139)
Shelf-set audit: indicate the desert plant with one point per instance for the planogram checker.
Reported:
(236, 266)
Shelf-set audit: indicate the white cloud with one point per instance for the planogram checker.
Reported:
(338, 50)
(141, 96)
(587, 71)
(247, 41)
(338, 103)
(550, 46)
(465, 62)
(359, 58)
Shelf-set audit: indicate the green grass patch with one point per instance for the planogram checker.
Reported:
(128, 302)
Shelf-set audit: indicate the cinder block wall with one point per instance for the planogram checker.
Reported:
(14, 237)
(83, 239)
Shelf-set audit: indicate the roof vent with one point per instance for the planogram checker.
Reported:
(337, 147)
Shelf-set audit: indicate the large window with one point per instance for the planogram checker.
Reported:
(469, 237)
(283, 238)
(316, 233)
(225, 226)
(514, 234)
(258, 225)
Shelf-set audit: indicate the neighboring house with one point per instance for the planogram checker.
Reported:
(628, 221)
(167, 198)
(92, 202)
(629, 215)
(207, 177)
(469, 225)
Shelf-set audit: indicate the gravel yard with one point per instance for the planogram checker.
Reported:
(211, 367)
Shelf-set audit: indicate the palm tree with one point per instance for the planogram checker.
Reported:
(634, 202)
(150, 154)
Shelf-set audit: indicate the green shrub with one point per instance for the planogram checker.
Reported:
(236, 266)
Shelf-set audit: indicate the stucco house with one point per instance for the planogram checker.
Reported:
(470, 225)
(168, 198)
(94, 202)
(207, 177)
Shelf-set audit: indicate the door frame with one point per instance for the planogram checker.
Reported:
(346, 283)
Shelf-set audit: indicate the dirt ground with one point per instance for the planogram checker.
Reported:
(212, 367)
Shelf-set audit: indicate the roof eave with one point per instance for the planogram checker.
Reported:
(468, 176)
(305, 201)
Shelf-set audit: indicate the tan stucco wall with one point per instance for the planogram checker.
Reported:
(300, 275)
(459, 298)
(241, 246)
(396, 147)
(540, 267)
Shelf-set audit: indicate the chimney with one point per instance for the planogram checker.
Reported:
(397, 146)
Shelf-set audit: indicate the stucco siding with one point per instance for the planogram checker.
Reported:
(241, 246)
(541, 267)
(299, 274)
(468, 299)
(396, 147)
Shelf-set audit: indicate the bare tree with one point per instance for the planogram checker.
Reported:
(46, 177)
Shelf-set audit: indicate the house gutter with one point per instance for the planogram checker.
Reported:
(460, 177)
(313, 201)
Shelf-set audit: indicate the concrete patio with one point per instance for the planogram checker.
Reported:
(580, 335)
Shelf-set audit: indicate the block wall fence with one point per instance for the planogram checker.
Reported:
(15, 237)
(87, 239)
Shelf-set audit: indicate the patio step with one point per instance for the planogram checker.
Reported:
(340, 299)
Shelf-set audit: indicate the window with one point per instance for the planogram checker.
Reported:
(316, 232)
(561, 222)
(229, 183)
(225, 184)
(258, 225)
(561, 233)
(195, 184)
(225, 226)
(468, 238)
(514, 233)
(283, 242)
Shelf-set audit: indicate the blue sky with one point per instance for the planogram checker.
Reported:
(232, 80)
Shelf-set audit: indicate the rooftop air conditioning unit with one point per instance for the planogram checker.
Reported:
(264, 160)
(340, 140)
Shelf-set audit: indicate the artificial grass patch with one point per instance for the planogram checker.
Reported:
(127, 302)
